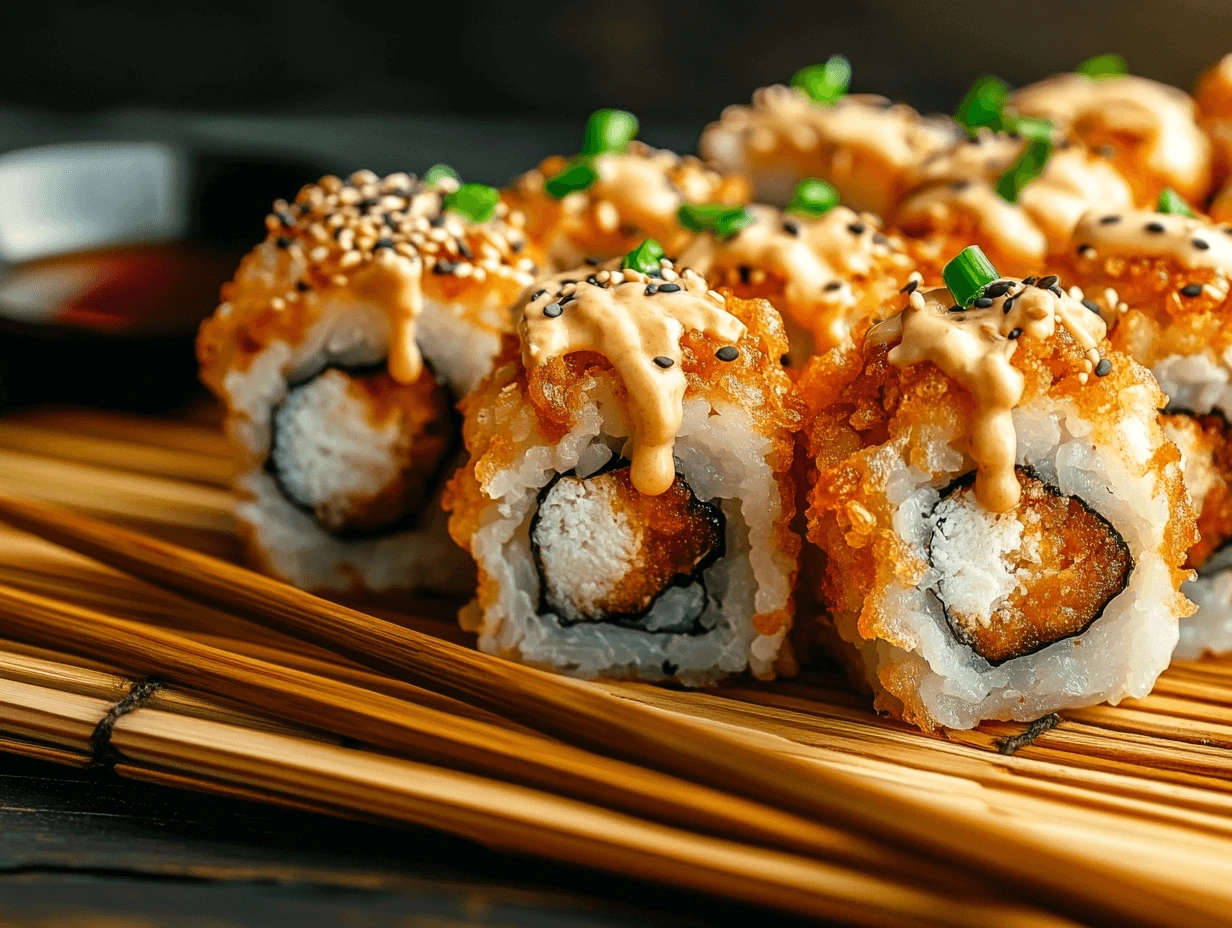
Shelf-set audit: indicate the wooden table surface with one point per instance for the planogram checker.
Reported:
(87, 849)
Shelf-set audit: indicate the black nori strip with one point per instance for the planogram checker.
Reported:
(968, 479)
(712, 512)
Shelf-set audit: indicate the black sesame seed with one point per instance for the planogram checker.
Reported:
(730, 353)
(563, 282)
(445, 267)
(552, 310)
(1092, 306)
(1155, 228)
(538, 293)
(785, 360)
(436, 221)
(1047, 283)
(982, 303)
(745, 272)
(1007, 305)
(283, 242)
(303, 286)
(651, 290)
(663, 362)
(833, 285)
(960, 184)
(997, 288)
(879, 238)
(593, 261)
(465, 250)
(1110, 220)
(566, 300)
(383, 243)
(1108, 151)
(1084, 249)
(955, 309)
(910, 287)
(669, 288)
(517, 246)
(1029, 281)
(1056, 290)
(1228, 231)
(593, 280)
(338, 232)
(1201, 244)
(285, 218)
(1191, 290)
(1103, 368)
(1015, 333)
(368, 204)
(791, 228)
(856, 228)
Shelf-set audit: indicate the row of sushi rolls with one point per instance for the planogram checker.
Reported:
(945, 397)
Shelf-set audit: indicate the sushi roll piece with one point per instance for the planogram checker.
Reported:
(1213, 95)
(1147, 130)
(628, 496)
(825, 267)
(603, 202)
(338, 351)
(1166, 278)
(863, 144)
(1018, 198)
(1005, 523)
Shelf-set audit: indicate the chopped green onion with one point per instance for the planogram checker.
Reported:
(439, 172)
(968, 274)
(1028, 166)
(723, 220)
(477, 202)
(577, 175)
(608, 131)
(1172, 202)
(645, 257)
(1032, 128)
(825, 83)
(1110, 65)
(813, 197)
(984, 104)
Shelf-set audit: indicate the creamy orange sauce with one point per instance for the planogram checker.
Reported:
(1156, 122)
(1191, 242)
(958, 193)
(974, 348)
(616, 318)
(810, 261)
(862, 144)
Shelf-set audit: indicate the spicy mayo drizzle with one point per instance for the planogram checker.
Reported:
(636, 322)
(974, 347)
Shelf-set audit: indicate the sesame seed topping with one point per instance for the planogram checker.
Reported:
(856, 228)
(1029, 281)
(283, 242)
(1109, 220)
(910, 286)
(1092, 306)
(834, 285)
(664, 362)
(730, 353)
(959, 185)
(1007, 305)
(955, 309)
(791, 227)
(1155, 228)
(1015, 333)
(1047, 283)
(538, 293)
(997, 288)
(1201, 244)
(552, 310)
(651, 290)
(1103, 368)
(983, 303)
(1191, 290)
(669, 288)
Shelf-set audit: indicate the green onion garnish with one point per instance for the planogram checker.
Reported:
(1032, 128)
(439, 172)
(1172, 202)
(968, 274)
(1110, 65)
(645, 257)
(984, 104)
(577, 175)
(1028, 166)
(608, 131)
(723, 220)
(825, 83)
(812, 197)
(477, 202)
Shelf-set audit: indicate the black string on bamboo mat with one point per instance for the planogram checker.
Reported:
(101, 751)
(1016, 742)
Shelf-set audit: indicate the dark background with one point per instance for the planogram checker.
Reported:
(671, 62)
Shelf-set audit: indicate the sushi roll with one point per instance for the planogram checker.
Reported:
(826, 268)
(1166, 278)
(1014, 196)
(628, 495)
(1004, 521)
(603, 202)
(861, 143)
(1213, 95)
(1147, 130)
(339, 350)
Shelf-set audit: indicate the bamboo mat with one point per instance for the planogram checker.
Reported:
(1126, 810)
